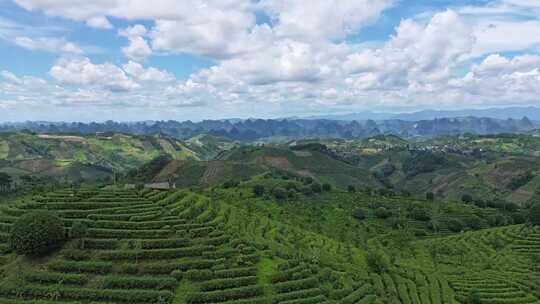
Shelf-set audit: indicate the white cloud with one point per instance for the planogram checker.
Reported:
(494, 35)
(80, 71)
(137, 49)
(99, 22)
(137, 71)
(134, 31)
(301, 59)
(323, 19)
(8, 76)
(417, 53)
(48, 44)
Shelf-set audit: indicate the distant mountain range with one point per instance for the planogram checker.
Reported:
(285, 129)
(532, 113)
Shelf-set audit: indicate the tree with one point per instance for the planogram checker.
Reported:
(258, 190)
(377, 261)
(36, 233)
(382, 213)
(326, 187)
(420, 214)
(358, 214)
(466, 198)
(474, 297)
(5, 182)
(533, 215)
(351, 188)
(474, 222)
(455, 225)
(316, 187)
(279, 193)
(430, 196)
(78, 233)
(306, 190)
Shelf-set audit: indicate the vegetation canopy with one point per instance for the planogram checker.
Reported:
(36, 233)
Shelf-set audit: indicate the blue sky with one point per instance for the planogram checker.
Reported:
(195, 59)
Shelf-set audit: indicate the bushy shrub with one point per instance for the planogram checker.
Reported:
(474, 222)
(291, 186)
(351, 188)
(430, 196)
(420, 214)
(382, 213)
(316, 187)
(433, 225)
(279, 193)
(230, 184)
(533, 215)
(519, 218)
(466, 198)
(258, 190)
(306, 190)
(455, 225)
(358, 214)
(307, 180)
(397, 222)
(474, 297)
(377, 262)
(497, 220)
(78, 230)
(419, 232)
(326, 187)
(36, 233)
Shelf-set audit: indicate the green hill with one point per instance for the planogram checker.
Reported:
(488, 168)
(97, 156)
(245, 162)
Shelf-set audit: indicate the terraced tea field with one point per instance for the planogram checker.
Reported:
(498, 265)
(156, 247)
(183, 247)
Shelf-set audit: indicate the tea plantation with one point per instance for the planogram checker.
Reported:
(228, 246)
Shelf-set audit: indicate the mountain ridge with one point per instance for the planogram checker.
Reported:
(272, 129)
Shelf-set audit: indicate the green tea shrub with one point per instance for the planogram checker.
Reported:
(36, 233)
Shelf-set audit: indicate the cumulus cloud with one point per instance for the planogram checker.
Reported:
(417, 53)
(81, 71)
(99, 22)
(137, 49)
(48, 44)
(137, 71)
(277, 52)
(322, 19)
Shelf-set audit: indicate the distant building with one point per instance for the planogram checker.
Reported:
(161, 186)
